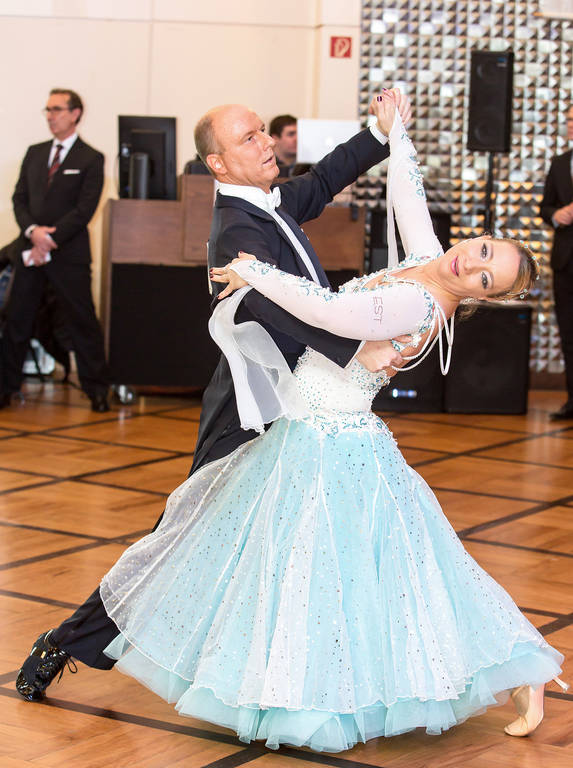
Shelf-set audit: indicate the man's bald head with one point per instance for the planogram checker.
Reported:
(214, 123)
(232, 142)
(205, 139)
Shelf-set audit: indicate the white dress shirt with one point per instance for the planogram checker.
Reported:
(67, 144)
(268, 203)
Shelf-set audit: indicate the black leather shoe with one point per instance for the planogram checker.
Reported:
(99, 404)
(564, 413)
(41, 667)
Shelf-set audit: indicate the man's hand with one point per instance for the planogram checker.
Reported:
(37, 256)
(377, 355)
(403, 105)
(564, 216)
(41, 239)
(383, 107)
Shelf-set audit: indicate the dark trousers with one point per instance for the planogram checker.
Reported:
(72, 285)
(563, 292)
(89, 630)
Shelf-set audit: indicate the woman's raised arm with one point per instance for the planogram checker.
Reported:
(405, 190)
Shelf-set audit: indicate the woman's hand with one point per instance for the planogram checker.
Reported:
(378, 356)
(229, 276)
(384, 107)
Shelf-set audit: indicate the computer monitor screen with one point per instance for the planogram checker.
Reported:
(154, 137)
(316, 138)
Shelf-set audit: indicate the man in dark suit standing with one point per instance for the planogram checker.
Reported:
(232, 142)
(56, 195)
(557, 211)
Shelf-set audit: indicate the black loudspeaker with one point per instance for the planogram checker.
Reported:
(490, 361)
(139, 176)
(158, 326)
(489, 371)
(491, 91)
(420, 389)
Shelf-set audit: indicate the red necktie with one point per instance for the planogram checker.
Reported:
(55, 164)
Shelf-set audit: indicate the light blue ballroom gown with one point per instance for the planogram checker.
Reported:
(308, 589)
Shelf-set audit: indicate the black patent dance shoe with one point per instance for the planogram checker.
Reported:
(41, 667)
(99, 404)
(565, 413)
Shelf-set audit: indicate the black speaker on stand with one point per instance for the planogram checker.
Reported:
(490, 361)
(489, 119)
(489, 371)
(491, 92)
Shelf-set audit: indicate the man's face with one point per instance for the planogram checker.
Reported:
(246, 154)
(570, 123)
(61, 120)
(286, 144)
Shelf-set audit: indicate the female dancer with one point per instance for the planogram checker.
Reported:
(308, 589)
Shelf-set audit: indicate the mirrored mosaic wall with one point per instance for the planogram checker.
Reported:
(424, 47)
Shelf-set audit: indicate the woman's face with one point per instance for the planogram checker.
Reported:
(479, 267)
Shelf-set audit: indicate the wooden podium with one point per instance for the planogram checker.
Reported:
(155, 299)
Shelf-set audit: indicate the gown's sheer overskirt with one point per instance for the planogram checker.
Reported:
(309, 590)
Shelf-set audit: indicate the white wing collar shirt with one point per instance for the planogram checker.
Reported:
(268, 202)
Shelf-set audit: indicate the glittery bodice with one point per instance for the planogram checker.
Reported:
(328, 388)
(344, 395)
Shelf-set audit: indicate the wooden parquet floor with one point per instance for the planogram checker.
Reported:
(77, 487)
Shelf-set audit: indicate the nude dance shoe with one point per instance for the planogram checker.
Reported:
(529, 704)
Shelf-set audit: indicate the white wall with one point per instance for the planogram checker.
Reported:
(336, 92)
(165, 57)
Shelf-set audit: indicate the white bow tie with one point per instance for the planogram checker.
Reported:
(273, 199)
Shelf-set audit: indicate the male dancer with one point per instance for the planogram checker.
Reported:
(232, 142)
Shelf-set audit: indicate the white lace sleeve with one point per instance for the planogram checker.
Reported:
(387, 311)
(406, 200)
